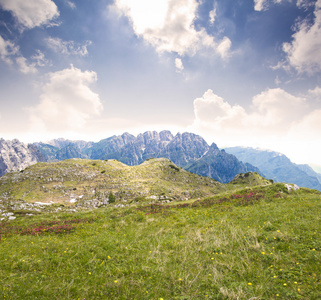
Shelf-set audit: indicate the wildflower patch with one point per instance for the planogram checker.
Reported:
(56, 227)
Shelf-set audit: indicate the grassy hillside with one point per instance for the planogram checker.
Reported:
(248, 243)
(82, 182)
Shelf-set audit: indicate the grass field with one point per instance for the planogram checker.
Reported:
(260, 243)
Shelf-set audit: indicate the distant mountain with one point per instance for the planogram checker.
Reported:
(187, 150)
(307, 169)
(316, 168)
(277, 166)
(218, 164)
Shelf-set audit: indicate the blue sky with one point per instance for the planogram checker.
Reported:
(237, 72)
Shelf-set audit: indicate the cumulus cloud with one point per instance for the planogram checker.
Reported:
(169, 25)
(31, 13)
(272, 113)
(304, 52)
(276, 119)
(68, 47)
(67, 101)
(211, 110)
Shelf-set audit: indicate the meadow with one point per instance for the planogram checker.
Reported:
(257, 243)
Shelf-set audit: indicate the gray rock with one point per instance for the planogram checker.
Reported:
(292, 187)
(16, 156)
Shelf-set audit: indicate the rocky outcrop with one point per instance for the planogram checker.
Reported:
(15, 156)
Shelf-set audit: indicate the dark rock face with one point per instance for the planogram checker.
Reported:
(218, 164)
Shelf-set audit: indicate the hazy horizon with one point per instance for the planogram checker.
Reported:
(237, 73)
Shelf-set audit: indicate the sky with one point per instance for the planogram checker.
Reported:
(236, 72)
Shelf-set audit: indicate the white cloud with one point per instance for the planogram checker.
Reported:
(7, 49)
(179, 64)
(31, 13)
(309, 127)
(211, 110)
(212, 15)
(169, 25)
(277, 109)
(71, 4)
(260, 5)
(67, 102)
(10, 53)
(275, 120)
(271, 110)
(24, 66)
(304, 52)
(315, 93)
(224, 47)
(39, 59)
(68, 47)
(304, 3)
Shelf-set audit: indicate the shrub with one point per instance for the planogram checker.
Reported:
(111, 197)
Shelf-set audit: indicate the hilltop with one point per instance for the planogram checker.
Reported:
(88, 183)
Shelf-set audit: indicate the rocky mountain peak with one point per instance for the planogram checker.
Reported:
(214, 147)
(15, 156)
(166, 136)
(127, 138)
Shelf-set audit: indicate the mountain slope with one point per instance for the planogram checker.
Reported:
(219, 165)
(275, 166)
(307, 169)
(81, 180)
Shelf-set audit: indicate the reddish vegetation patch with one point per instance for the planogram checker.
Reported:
(57, 227)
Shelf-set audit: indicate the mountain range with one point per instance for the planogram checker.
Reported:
(278, 167)
(187, 150)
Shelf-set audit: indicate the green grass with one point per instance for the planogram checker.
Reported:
(60, 181)
(268, 248)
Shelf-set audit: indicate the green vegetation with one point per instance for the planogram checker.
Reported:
(111, 197)
(83, 181)
(242, 243)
